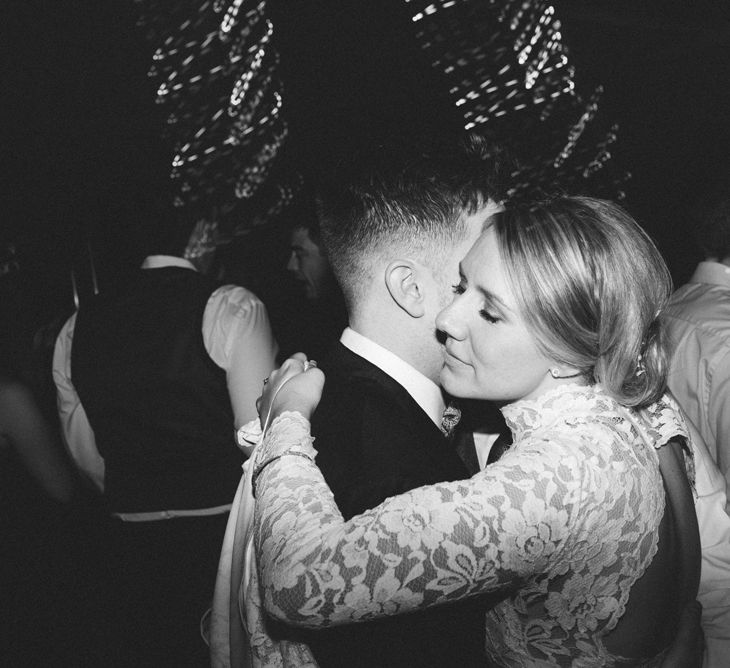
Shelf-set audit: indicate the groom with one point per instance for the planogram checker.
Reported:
(395, 234)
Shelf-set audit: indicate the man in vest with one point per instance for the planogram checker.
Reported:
(149, 410)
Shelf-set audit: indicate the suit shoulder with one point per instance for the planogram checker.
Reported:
(359, 395)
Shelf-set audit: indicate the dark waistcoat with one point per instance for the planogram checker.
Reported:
(157, 403)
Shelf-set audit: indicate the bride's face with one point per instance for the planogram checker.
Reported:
(489, 352)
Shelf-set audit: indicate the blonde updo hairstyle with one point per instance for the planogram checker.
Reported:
(590, 284)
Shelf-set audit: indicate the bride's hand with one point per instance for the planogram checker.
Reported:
(295, 386)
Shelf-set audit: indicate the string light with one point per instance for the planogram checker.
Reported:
(504, 62)
(509, 74)
(217, 79)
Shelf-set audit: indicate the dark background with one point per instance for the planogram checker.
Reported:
(81, 135)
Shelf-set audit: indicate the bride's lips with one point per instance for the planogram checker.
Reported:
(449, 357)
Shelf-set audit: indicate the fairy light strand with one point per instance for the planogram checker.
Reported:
(509, 74)
(216, 75)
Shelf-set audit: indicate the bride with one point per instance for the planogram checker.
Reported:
(585, 527)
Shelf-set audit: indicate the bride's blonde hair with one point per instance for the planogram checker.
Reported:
(590, 284)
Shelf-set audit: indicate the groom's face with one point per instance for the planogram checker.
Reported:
(444, 277)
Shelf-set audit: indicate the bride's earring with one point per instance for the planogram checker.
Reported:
(555, 373)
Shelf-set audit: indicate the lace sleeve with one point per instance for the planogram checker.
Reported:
(428, 546)
(664, 422)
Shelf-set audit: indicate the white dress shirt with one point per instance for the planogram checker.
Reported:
(698, 321)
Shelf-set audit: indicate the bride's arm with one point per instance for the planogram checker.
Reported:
(429, 546)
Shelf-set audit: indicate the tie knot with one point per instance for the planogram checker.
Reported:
(450, 419)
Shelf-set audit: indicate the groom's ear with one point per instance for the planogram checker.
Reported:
(404, 280)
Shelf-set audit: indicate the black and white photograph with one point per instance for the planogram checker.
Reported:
(365, 334)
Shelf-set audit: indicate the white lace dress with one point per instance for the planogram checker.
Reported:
(566, 522)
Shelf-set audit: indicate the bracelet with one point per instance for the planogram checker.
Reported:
(259, 469)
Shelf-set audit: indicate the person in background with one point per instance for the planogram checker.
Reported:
(698, 322)
(590, 539)
(42, 505)
(319, 307)
(308, 263)
(149, 405)
(697, 319)
(26, 435)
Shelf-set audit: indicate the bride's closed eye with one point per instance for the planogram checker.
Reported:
(486, 315)
(460, 289)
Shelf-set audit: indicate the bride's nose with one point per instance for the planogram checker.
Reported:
(449, 322)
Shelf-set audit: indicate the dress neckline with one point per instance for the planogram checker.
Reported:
(556, 404)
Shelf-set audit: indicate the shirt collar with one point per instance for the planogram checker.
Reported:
(714, 273)
(160, 261)
(423, 390)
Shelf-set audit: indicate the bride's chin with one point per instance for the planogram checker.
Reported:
(461, 387)
(449, 381)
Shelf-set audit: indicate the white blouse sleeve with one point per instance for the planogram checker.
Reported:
(78, 436)
(238, 337)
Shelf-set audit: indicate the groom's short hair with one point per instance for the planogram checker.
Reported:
(405, 201)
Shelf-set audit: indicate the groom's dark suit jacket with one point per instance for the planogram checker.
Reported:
(374, 441)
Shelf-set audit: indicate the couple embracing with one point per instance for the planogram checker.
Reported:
(580, 546)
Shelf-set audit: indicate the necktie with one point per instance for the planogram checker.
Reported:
(499, 447)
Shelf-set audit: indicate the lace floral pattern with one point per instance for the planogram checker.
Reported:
(565, 522)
